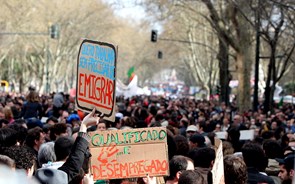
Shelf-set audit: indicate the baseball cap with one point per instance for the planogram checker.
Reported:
(192, 128)
(287, 161)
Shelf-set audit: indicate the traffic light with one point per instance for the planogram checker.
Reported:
(54, 31)
(160, 54)
(218, 90)
(154, 36)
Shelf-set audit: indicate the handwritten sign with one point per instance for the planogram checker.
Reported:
(218, 169)
(129, 153)
(96, 78)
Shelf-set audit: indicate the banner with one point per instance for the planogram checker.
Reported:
(129, 153)
(218, 166)
(96, 79)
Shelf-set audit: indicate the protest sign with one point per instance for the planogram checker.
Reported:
(96, 68)
(129, 153)
(247, 134)
(218, 169)
(221, 135)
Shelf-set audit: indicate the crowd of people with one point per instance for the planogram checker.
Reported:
(46, 137)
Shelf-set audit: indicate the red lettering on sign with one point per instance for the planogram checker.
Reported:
(129, 169)
(98, 89)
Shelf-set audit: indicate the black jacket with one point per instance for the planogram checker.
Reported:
(79, 153)
(255, 177)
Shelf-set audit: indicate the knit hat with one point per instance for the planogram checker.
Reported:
(51, 176)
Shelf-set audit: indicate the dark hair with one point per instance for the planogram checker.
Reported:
(23, 158)
(62, 147)
(235, 170)
(191, 177)
(233, 135)
(20, 121)
(267, 134)
(8, 137)
(272, 149)
(57, 129)
(203, 157)
(21, 134)
(33, 134)
(176, 164)
(181, 145)
(254, 155)
(171, 146)
(52, 118)
(3, 121)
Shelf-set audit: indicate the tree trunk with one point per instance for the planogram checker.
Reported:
(269, 88)
(244, 59)
(224, 74)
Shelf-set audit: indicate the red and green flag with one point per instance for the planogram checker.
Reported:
(131, 73)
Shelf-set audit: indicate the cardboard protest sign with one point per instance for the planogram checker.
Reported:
(129, 153)
(96, 68)
(247, 134)
(221, 135)
(218, 169)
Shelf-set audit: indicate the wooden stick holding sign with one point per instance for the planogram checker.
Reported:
(96, 78)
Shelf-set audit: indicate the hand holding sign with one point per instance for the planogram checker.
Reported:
(89, 120)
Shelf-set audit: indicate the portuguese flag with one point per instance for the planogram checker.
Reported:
(131, 73)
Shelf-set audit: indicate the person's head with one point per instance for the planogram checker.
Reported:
(52, 120)
(182, 145)
(21, 134)
(203, 157)
(74, 120)
(254, 156)
(101, 125)
(177, 165)
(233, 135)
(23, 158)
(8, 137)
(287, 168)
(237, 121)
(58, 130)
(227, 148)
(21, 122)
(62, 147)
(64, 116)
(191, 177)
(197, 140)
(5, 160)
(272, 149)
(8, 115)
(35, 138)
(32, 97)
(274, 125)
(191, 130)
(235, 170)
(46, 153)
